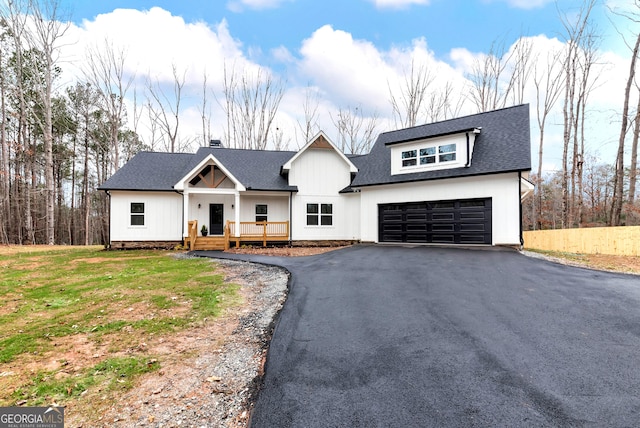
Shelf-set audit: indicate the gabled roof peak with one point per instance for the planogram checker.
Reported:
(319, 141)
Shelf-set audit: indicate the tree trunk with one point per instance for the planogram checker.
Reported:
(633, 168)
(5, 201)
(616, 206)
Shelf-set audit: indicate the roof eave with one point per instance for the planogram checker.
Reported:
(475, 129)
(414, 180)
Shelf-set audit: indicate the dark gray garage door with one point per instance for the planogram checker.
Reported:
(443, 222)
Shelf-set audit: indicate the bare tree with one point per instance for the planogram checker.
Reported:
(576, 33)
(356, 133)
(166, 109)
(548, 84)
(501, 76)
(616, 206)
(485, 78)
(633, 168)
(441, 105)
(250, 105)
(44, 35)
(106, 72)
(521, 69)
(587, 81)
(408, 105)
(205, 112)
(16, 22)
(5, 203)
(310, 109)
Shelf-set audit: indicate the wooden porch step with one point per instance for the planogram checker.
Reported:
(211, 243)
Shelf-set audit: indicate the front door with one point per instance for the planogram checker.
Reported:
(216, 219)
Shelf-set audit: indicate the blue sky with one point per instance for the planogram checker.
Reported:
(349, 53)
(445, 24)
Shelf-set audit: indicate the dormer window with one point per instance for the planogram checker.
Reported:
(409, 158)
(451, 150)
(432, 155)
(447, 153)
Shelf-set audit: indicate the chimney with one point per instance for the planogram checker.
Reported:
(215, 144)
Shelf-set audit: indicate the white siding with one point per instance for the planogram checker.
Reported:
(320, 174)
(162, 216)
(202, 214)
(503, 189)
(277, 207)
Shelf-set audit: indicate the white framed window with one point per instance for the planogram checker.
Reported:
(261, 212)
(429, 156)
(137, 214)
(319, 214)
(409, 158)
(447, 153)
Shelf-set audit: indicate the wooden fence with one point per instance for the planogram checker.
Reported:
(621, 241)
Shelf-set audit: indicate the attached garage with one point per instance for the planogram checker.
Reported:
(466, 221)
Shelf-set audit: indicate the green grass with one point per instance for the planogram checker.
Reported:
(118, 374)
(118, 297)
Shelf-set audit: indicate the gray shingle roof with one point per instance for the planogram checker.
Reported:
(503, 146)
(151, 171)
(255, 169)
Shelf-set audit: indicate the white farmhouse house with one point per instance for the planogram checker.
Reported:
(459, 181)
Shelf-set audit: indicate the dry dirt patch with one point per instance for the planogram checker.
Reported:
(210, 373)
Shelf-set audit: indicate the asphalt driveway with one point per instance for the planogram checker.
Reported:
(381, 336)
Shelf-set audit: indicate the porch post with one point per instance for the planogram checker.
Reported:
(185, 213)
(237, 215)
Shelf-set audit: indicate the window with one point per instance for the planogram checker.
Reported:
(409, 158)
(326, 214)
(312, 214)
(320, 214)
(137, 213)
(261, 212)
(429, 156)
(447, 153)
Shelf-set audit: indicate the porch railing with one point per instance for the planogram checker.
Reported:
(250, 231)
(193, 233)
(257, 231)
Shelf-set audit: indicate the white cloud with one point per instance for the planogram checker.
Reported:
(398, 4)
(154, 40)
(525, 4)
(342, 71)
(241, 5)
(282, 54)
(351, 72)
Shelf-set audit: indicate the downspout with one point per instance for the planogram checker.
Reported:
(520, 202)
(108, 245)
(468, 154)
(182, 194)
(290, 217)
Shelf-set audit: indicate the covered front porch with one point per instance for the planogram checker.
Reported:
(261, 232)
(215, 201)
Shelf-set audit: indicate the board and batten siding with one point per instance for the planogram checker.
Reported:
(320, 175)
(162, 216)
(277, 206)
(503, 189)
(201, 213)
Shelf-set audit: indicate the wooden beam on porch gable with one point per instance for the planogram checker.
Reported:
(213, 183)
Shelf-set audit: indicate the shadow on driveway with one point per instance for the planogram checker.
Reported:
(381, 336)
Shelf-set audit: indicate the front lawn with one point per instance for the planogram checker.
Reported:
(77, 319)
